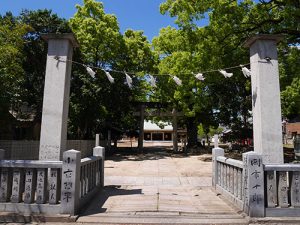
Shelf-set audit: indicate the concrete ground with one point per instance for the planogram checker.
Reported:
(159, 187)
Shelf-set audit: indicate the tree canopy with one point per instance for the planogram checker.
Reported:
(181, 51)
(190, 49)
(94, 100)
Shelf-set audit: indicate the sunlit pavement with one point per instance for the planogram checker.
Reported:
(159, 187)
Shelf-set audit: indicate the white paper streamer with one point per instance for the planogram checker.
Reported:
(91, 72)
(109, 77)
(199, 76)
(128, 80)
(177, 80)
(152, 81)
(225, 74)
(246, 72)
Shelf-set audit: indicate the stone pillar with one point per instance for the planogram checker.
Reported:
(97, 140)
(70, 182)
(56, 96)
(100, 151)
(216, 141)
(141, 134)
(175, 133)
(266, 108)
(215, 153)
(254, 200)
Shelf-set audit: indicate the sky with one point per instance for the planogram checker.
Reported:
(135, 14)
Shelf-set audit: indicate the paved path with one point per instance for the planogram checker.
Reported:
(158, 187)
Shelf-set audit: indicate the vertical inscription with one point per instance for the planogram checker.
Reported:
(54, 186)
(70, 182)
(283, 200)
(17, 186)
(5, 185)
(271, 189)
(41, 187)
(255, 185)
(295, 189)
(30, 180)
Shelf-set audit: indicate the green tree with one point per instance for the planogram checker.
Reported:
(96, 102)
(290, 81)
(218, 45)
(12, 32)
(35, 54)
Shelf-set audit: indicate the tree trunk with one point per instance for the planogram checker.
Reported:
(192, 132)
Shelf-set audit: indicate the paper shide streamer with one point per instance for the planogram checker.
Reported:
(200, 76)
(152, 81)
(246, 71)
(128, 80)
(225, 74)
(90, 72)
(177, 80)
(109, 77)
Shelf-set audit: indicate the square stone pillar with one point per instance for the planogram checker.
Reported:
(254, 198)
(266, 107)
(56, 95)
(215, 153)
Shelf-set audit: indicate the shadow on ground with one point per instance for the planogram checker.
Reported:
(98, 201)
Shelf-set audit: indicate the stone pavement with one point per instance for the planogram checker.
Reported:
(159, 187)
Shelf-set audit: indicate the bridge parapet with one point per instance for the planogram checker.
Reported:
(260, 190)
(50, 187)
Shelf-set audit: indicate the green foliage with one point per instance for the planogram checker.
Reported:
(97, 105)
(11, 59)
(35, 53)
(190, 48)
(98, 33)
(238, 18)
(290, 82)
(203, 132)
(291, 99)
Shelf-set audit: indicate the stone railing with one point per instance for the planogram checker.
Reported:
(241, 182)
(23, 186)
(91, 175)
(50, 187)
(282, 190)
(257, 189)
(228, 177)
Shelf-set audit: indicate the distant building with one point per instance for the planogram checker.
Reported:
(152, 132)
(290, 130)
(293, 128)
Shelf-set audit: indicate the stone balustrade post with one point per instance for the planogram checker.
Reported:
(216, 141)
(254, 199)
(215, 153)
(100, 151)
(70, 182)
(97, 140)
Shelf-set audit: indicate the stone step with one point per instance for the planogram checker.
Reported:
(162, 218)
